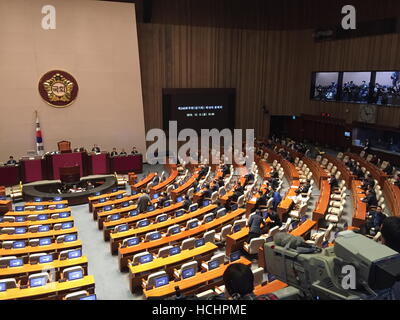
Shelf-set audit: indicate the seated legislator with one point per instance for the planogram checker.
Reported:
(370, 199)
(375, 218)
(96, 148)
(11, 161)
(123, 152)
(114, 152)
(134, 151)
(304, 187)
(397, 182)
(274, 217)
(389, 169)
(239, 284)
(368, 183)
(333, 183)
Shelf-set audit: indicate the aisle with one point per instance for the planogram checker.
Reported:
(111, 284)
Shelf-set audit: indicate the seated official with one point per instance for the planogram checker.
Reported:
(358, 173)
(256, 223)
(274, 182)
(333, 183)
(214, 186)
(207, 192)
(375, 218)
(391, 237)
(304, 188)
(239, 284)
(114, 152)
(262, 199)
(249, 178)
(225, 169)
(220, 182)
(389, 169)
(397, 182)
(368, 183)
(370, 199)
(123, 152)
(95, 148)
(11, 161)
(186, 203)
(203, 171)
(239, 190)
(164, 197)
(156, 179)
(134, 151)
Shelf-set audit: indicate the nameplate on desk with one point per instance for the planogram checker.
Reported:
(294, 187)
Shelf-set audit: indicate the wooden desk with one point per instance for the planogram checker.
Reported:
(144, 182)
(234, 241)
(117, 238)
(127, 253)
(303, 229)
(392, 197)
(36, 235)
(205, 280)
(286, 202)
(184, 187)
(162, 185)
(54, 247)
(46, 203)
(109, 225)
(5, 206)
(270, 287)
(106, 195)
(59, 289)
(27, 269)
(359, 207)
(323, 201)
(50, 222)
(98, 206)
(34, 212)
(141, 271)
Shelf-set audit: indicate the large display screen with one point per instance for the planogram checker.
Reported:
(387, 88)
(326, 85)
(199, 108)
(355, 86)
(372, 87)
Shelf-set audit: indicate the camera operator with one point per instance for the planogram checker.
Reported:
(391, 237)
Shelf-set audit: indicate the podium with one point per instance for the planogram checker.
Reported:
(70, 175)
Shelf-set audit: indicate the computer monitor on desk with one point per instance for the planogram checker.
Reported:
(188, 273)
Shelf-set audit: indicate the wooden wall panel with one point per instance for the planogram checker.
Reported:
(266, 67)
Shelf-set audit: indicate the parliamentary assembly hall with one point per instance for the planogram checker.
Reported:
(204, 150)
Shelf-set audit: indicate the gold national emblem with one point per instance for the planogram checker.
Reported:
(58, 88)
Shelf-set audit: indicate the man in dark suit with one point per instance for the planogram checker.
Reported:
(186, 203)
(304, 187)
(389, 169)
(156, 179)
(143, 201)
(11, 161)
(358, 173)
(225, 169)
(239, 190)
(164, 197)
(134, 151)
(114, 152)
(397, 182)
(203, 171)
(273, 215)
(368, 183)
(262, 199)
(370, 199)
(95, 148)
(375, 220)
(255, 223)
(274, 174)
(123, 152)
